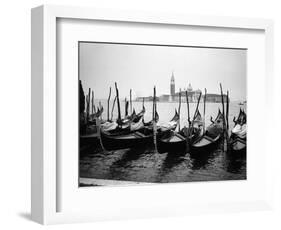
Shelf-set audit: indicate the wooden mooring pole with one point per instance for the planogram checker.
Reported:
(188, 120)
(154, 120)
(179, 110)
(108, 101)
(196, 110)
(227, 111)
(88, 105)
(130, 101)
(204, 111)
(126, 107)
(195, 113)
(113, 108)
(92, 106)
(224, 119)
(227, 120)
(93, 102)
(100, 105)
(188, 112)
(118, 104)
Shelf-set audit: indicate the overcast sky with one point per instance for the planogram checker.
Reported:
(140, 67)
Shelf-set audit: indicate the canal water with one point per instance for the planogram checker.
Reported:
(146, 165)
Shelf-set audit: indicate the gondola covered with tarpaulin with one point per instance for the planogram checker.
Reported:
(213, 134)
(238, 138)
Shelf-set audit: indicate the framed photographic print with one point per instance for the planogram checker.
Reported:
(150, 114)
(163, 132)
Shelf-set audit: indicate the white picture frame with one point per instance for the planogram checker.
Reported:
(45, 163)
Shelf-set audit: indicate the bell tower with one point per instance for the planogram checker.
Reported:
(172, 85)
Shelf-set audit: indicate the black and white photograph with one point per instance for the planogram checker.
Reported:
(151, 113)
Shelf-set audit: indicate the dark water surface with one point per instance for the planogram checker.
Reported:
(145, 165)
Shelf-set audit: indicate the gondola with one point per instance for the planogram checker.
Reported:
(171, 125)
(130, 123)
(133, 117)
(129, 118)
(173, 141)
(134, 139)
(88, 129)
(150, 123)
(195, 130)
(94, 116)
(123, 141)
(125, 126)
(139, 115)
(238, 135)
(210, 139)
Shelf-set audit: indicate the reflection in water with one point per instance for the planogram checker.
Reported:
(200, 160)
(235, 162)
(145, 165)
(173, 162)
(127, 157)
(172, 159)
(118, 168)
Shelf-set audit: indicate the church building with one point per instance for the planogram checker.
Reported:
(193, 95)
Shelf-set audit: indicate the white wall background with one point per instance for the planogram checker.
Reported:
(15, 112)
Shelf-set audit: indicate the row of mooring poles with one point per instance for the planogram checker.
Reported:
(90, 105)
(90, 109)
(116, 99)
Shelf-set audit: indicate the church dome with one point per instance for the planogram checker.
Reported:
(189, 88)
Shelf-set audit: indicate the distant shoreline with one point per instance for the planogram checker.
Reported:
(231, 101)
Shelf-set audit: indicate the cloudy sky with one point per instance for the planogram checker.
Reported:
(140, 67)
